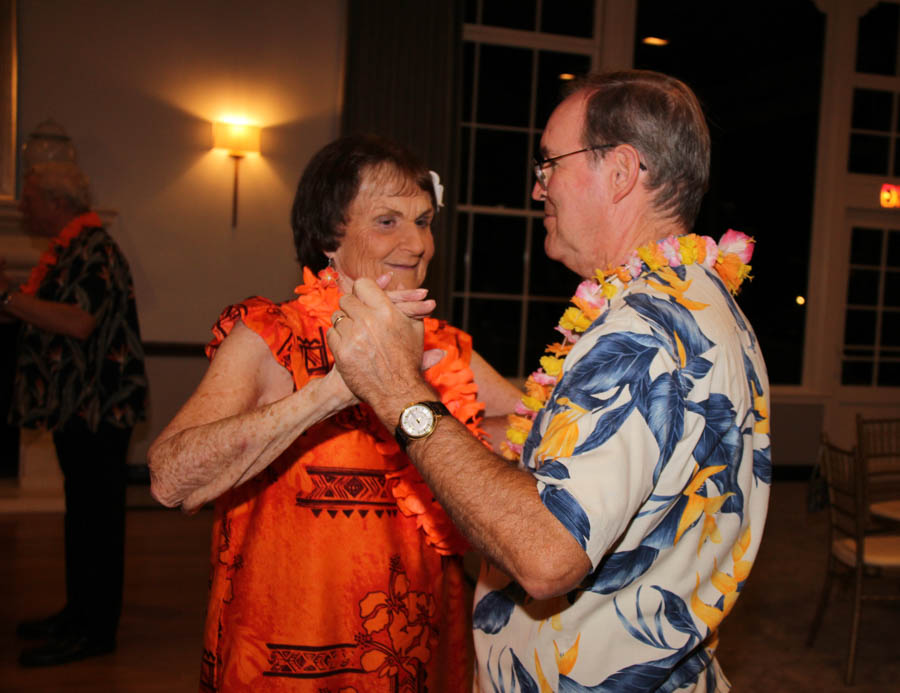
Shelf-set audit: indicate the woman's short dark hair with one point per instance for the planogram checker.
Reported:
(331, 181)
(660, 117)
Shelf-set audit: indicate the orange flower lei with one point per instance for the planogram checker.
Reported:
(728, 258)
(320, 295)
(58, 243)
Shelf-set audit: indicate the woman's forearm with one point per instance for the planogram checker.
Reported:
(197, 464)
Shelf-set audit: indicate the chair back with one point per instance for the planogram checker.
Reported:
(878, 442)
(846, 493)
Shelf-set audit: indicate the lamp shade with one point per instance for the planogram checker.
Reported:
(238, 139)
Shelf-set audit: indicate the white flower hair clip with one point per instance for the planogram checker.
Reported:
(438, 188)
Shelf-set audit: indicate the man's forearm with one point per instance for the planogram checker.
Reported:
(62, 318)
(494, 504)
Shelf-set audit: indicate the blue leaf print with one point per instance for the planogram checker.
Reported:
(721, 443)
(677, 612)
(614, 360)
(732, 306)
(752, 380)
(492, 613)
(526, 683)
(620, 569)
(663, 409)
(667, 673)
(697, 367)
(672, 318)
(566, 509)
(663, 535)
(518, 674)
(762, 464)
(555, 470)
(607, 425)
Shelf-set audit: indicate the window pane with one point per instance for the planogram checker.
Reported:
(860, 327)
(550, 87)
(468, 78)
(572, 18)
(536, 149)
(543, 317)
(876, 49)
(862, 289)
(500, 168)
(856, 373)
(890, 329)
(777, 49)
(868, 154)
(498, 251)
(893, 249)
(504, 85)
(891, 289)
(548, 277)
(494, 326)
(865, 246)
(889, 374)
(471, 12)
(872, 110)
(461, 259)
(466, 144)
(513, 14)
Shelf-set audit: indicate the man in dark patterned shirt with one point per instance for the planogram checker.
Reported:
(79, 374)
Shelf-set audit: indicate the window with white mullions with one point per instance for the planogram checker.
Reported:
(871, 353)
(517, 57)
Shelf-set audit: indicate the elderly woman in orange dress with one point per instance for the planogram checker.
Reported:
(333, 567)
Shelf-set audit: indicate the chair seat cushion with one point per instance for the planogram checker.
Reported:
(882, 551)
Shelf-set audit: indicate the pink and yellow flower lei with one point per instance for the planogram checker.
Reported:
(728, 257)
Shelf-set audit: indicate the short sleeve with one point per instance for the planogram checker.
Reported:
(265, 318)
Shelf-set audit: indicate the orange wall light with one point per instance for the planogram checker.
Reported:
(890, 195)
(239, 139)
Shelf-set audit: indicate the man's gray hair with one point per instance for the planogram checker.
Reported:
(63, 181)
(660, 117)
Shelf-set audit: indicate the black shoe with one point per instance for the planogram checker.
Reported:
(70, 648)
(54, 626)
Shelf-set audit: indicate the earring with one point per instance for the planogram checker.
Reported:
(331, 262)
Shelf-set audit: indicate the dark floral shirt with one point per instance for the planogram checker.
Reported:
(101, 378)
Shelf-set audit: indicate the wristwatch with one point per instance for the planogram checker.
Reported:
(418, 420)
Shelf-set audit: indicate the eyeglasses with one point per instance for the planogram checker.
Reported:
(541, 164)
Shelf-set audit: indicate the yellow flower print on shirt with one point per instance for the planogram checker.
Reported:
(726, 584)
(562, 432)
(698, 505)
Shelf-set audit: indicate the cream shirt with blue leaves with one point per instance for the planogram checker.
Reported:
(653, 451)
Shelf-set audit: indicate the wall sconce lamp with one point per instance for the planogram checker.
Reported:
(239, 140)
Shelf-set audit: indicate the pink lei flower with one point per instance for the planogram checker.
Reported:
(671, 249)
(634, 266)
(738, 243)
(712, 252)
(591, 292)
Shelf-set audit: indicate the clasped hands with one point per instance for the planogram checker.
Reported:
(377, 340)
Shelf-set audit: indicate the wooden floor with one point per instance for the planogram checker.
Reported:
(166, 576)
(762, 641)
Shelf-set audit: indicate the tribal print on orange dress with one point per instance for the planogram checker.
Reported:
(335, 569)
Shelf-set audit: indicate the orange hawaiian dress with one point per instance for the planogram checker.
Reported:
(335, 569)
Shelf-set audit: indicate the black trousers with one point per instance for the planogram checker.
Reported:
(93, 467)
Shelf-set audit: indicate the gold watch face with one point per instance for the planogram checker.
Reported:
(417, 420)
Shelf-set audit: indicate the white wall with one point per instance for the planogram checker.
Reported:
(136, 85)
